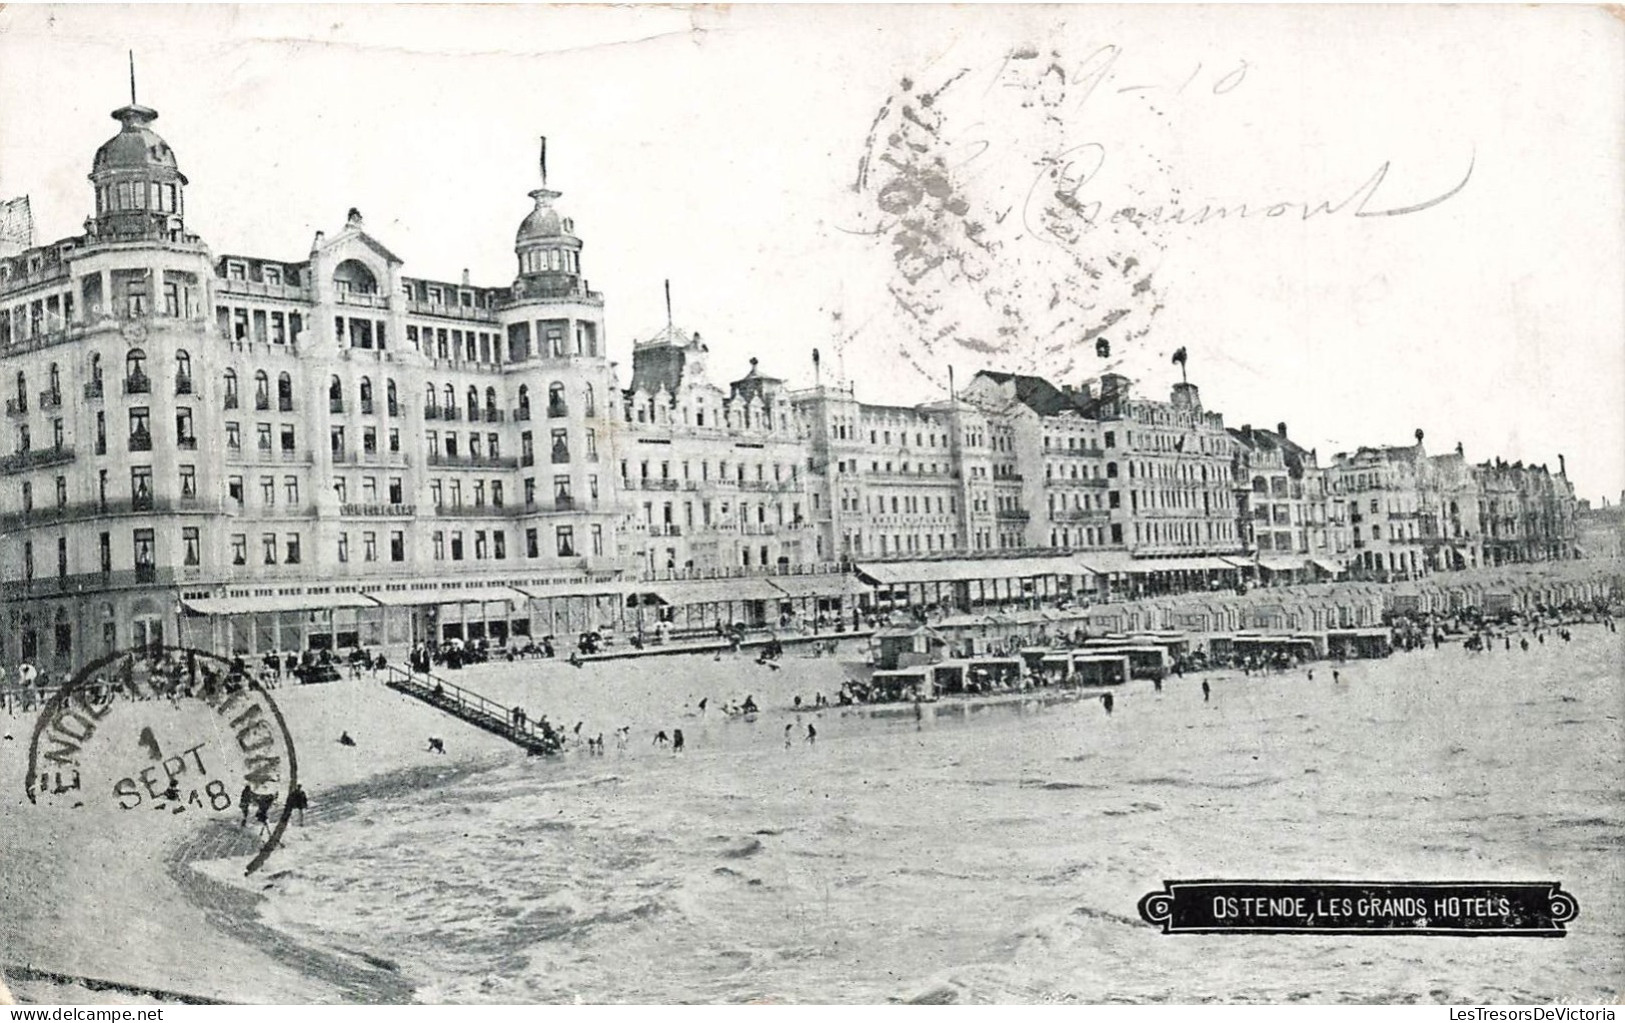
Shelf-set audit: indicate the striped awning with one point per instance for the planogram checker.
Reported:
(461, 595)
(273, 602)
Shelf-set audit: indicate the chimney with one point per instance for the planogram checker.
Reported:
(1418, 435)
(1280, 428)
(1562, 466)
(466, 281)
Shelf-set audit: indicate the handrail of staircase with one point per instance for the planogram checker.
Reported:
(467, 697)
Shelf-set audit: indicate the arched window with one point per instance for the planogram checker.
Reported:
(96, 367)
(473, 404)
(335, 395)
(491, 403)
(262, 391)
(56, 382)
(231, 388)
(555, 401)
(352, 276)
(183, 372)
(451, 398)
(22, 390)
(524, 402)
(588, 406)
(135, 362)
(284, 392)
(365, 394)
(430, 397)
(1111, 470)
(390, 397)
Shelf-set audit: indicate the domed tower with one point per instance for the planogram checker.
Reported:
(549, 251)
(139, 186)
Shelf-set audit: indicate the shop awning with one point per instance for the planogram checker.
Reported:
(462, 595)
(1105, 562)
(1325, 565)
(1204, 564)
(709, 591)
(897, 573)
(829, 585)
(610, 588)
(249, 605)
(1281, 564)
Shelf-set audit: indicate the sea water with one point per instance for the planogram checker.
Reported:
(988, 853)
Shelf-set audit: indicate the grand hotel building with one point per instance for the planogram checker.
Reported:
(274, 454)
(269, 455)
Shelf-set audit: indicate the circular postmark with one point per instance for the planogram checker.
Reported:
(172, 730)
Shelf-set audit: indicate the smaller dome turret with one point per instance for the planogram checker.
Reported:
(546, 245)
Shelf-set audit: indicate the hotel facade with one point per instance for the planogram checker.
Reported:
(257, 455)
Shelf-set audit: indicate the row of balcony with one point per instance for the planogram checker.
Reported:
(35, 458)
(440, 460)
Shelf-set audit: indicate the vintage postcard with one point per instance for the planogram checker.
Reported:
(841, 504)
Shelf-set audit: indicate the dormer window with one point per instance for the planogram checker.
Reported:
(466, 298)
(236, 271)
(273, 275)
(436, 296)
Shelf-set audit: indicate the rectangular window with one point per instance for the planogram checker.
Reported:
(262, 432)
(397, 546)
(439, 541)
(344, 547)
(268, 542)
(479, 544)
(531, 548)
(188, 476)
(290, 485)
(394, 440)
(234, 437)
(369, 546)
(239, 548)
(597, 539)
(396, 490)
(268, 490)
(565, 536)
(191, 546)
(293, 548)
(499, 545)
(457, 545)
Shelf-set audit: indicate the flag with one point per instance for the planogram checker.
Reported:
(1179, 355)
(815, 356)
(544, 161)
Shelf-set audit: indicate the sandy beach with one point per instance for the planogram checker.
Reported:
(483, 875)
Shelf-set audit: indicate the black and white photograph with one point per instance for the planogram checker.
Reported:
(812, 505)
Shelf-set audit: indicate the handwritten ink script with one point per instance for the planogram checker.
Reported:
(985, 190)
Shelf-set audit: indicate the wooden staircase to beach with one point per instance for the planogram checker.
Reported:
(467, 705)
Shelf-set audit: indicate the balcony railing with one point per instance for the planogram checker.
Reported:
(284, 403)
(1080, 515)
(665, 529)
(527, 459)
(187, 443)
(141, 441)
(658, 484)
(378, 510)
(450, 414)
(16, 406)
(431, 412)
(394, 408)
(357, 298)
(262, 403)
(50, 399)
(522, 414)
(93, 390)
(35, 459)
(231, 399)
(335, 404)
(137, 383)
(564, 502)
(1013, 514)
(183, 385)
(474, 461)
(557, 412)
(366, 406)
(561, 456)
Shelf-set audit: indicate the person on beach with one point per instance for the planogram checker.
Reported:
(262, 809)
(297, 801)
(1156, 683)
(787, 736)
(1337, 676)
(1524, 643)
(677, 740)
(345, 740)
(1207, 691)
(812, 733)
(1106, 703)
(243, 803)
(749, 706)
(660, 738)
(436, 745)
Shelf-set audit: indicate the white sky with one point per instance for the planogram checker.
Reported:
(720, 147)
